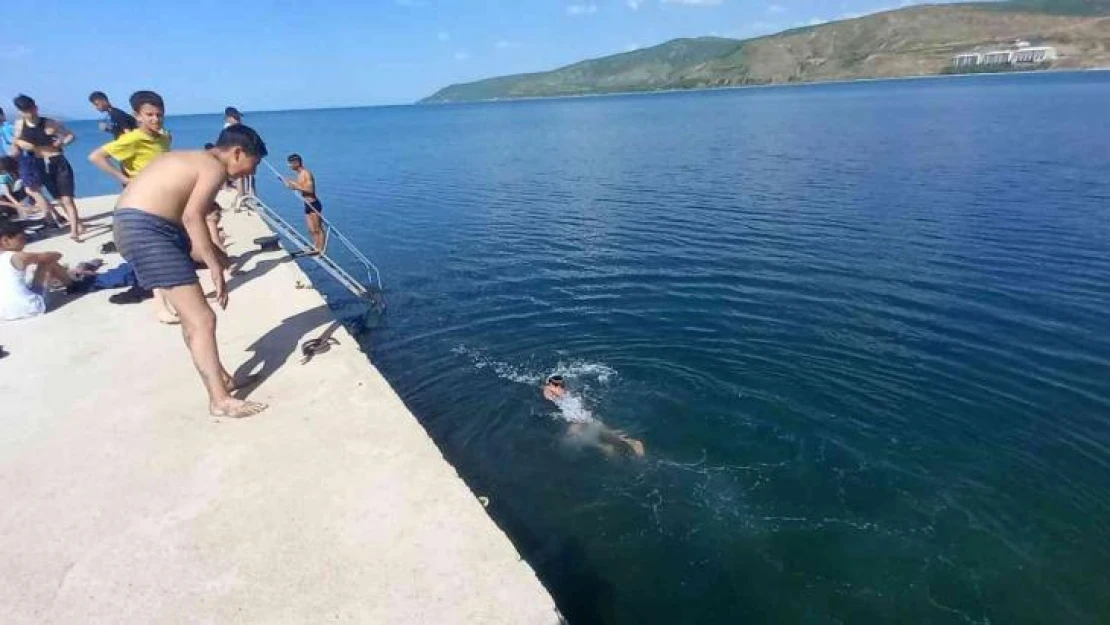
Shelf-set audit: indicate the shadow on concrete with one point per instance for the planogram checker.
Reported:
(98, 230)
(273, 349)
(85, 219)
(61, 299)
(259, 269)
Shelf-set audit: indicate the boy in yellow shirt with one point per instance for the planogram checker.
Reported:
(135, 149)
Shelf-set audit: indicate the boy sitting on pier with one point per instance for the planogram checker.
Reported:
(159, 216)
(20, 298)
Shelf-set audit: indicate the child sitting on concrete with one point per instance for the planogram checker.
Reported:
(19, 297)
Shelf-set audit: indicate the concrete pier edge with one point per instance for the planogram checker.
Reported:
(125, 502)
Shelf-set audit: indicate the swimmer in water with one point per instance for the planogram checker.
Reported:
(583, 425)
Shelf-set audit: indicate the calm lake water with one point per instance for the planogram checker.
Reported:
(861, 330)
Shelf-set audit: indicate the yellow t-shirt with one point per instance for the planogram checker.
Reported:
(135, 149)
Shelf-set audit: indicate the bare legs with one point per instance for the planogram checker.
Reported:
(606, 439)
(42, 205)
(76, 228)
(50, 273)
(163, 311)
(198, 325)
(316, 229)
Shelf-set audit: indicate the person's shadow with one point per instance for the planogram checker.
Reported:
(274, 348)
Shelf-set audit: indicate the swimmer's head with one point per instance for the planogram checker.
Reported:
(557, 381)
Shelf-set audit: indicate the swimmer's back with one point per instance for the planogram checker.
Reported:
(573, 409)
(164, 186)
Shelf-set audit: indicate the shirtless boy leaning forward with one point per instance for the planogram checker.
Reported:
(159, 216)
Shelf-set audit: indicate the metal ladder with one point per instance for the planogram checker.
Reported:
(370, 290)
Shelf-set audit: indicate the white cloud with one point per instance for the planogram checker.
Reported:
(815, 21)
(505, 44)
(462, 55)
(581, 9)
(634, 4)
(632, 47)
(694, 3)
(444, 36)
(775, 9)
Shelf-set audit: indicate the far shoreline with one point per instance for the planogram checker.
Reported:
(811, 83)
(421, 103)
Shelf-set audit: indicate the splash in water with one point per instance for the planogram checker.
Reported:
(573, 410)
(581, 372)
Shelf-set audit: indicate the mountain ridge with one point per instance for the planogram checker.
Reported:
(912, 41)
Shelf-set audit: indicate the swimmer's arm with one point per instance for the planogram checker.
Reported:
(549, 394)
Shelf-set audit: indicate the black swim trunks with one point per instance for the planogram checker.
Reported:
(157, 249)
(313, 206)
(56, 175)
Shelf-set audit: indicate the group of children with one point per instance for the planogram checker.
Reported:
(163, 224)
(160, 224)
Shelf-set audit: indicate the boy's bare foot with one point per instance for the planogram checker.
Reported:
(167, 317)
(235, 408)
(232, 385)
(636, 446)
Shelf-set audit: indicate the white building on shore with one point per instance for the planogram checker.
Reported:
(1041, 54)
(1023, 55)
(962, 61)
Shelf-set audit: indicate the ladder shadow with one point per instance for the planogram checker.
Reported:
(259, 269)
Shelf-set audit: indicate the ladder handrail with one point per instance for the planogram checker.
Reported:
(373, 276)
(284, 228)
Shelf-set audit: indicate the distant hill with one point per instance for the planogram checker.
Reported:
(912, 41)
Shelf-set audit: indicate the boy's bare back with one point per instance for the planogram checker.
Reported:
(165, 186)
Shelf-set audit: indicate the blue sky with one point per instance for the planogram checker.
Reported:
(281, 54)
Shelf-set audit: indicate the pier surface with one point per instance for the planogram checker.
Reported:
(125, 502)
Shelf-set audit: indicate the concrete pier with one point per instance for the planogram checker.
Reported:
(124, 502)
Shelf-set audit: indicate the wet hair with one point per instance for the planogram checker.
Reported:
(97, 95)
(244, 137)
(295, 158)
(209, 146)
(23, 102)
(233, 113)
(139, 98)
(557, 380)
(9, 228)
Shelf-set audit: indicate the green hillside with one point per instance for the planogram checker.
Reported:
(917, 40)
(1057, 7)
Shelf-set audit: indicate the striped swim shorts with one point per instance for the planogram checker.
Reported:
(157, 249)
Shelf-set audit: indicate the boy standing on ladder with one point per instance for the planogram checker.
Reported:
(305, 182)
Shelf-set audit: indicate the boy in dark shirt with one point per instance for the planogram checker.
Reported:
(118, 122)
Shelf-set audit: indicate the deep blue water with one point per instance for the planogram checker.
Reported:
(861, 329)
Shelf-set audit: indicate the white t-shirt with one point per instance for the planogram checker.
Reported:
(17, 300)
